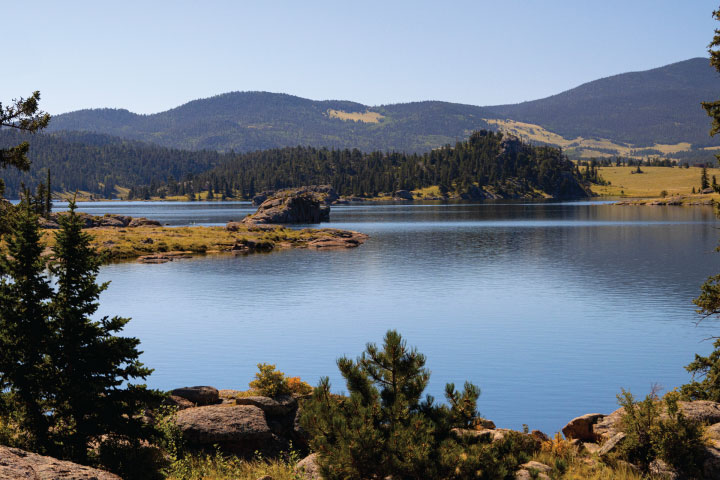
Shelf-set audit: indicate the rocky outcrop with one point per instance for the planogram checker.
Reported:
(704, 412)
(533, 469)
(308, 468)
(240, 429)
(402, 195)
(198, 395)
(21, 465)
(582, 427)
(279, 406)
(93, 221)
(240, 424)
(299, 205)
(333, 239)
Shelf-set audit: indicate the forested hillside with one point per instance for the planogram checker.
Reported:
(661, 105)
(488, 164)
(97, 163)
(248, 121)
(633, 110)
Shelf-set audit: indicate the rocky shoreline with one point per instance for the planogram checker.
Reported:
(248, 424)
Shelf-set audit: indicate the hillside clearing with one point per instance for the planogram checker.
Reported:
(650, 183)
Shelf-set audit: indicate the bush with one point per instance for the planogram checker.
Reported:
(271, 383)
(657, 429)
(383, 429)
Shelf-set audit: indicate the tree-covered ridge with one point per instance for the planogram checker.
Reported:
(97, 163)
(249, 121)
(486, 164)
(659, 106)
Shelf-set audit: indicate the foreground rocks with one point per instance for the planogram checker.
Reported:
(604, 434)
(242, 425)
(21, 465)
(93, 221)
(296, 205)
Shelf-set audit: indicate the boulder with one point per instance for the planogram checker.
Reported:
(308, 468)
(234, 427)
(526, 475)
(661, 470)
(485, 423)
(19, 464)
(711, 465)
(179, 402)
(402, 195)
(610, 444)
(540, 436)
(537, 466)
(582, 427)
(200, 395)
(704, 412)
(143, 222)
(291, 206)
(276, 406)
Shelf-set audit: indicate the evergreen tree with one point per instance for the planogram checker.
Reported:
(48, 199)
(383, 429)
(25, 331)
(704, 183)
(94, 368)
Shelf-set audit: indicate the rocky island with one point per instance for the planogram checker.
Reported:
(120, 237)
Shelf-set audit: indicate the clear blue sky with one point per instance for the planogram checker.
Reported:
(152, 55)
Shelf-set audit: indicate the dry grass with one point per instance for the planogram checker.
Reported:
(125, 243)
(675, 181)
(219, 467)
(585, 147)
(431, 192)
(364, 117)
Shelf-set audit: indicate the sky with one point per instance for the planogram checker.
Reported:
(152, 55)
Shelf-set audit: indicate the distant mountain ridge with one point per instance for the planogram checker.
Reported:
(631, 111)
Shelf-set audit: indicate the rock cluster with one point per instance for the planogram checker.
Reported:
(93, 221)
(325, 193)
(242, 425)
(297, 205)
(19, 464)
(602, 434)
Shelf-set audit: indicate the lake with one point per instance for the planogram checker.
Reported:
(550, 308)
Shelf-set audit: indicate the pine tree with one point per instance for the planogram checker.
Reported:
(704, 183)
(25, 331)
(383, 428)
(48, 199)
(92, 364)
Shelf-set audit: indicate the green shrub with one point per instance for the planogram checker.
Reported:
(383, 429)
(657, 429)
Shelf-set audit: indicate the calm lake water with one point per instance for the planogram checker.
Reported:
(550, 308)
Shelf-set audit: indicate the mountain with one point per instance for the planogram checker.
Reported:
(654, 112)
(248, 121)
(660, 106)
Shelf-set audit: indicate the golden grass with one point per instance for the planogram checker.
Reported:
(219, 467)
(675, 181)
(433, 191)
(364, 117)
(124, 243)
(585, 147)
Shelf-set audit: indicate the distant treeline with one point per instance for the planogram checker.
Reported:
(504, 165)
(97, 163)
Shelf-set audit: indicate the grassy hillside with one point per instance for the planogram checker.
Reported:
(249, 121)
(655, 112)
(658, 106)
(651, 182)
